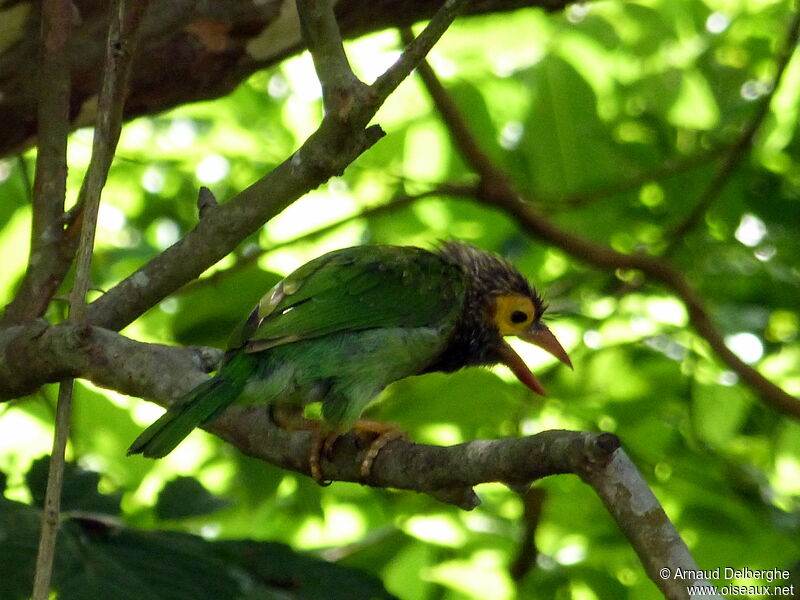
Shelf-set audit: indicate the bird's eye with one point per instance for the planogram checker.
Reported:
(519, 316)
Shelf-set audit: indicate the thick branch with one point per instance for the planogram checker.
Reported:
(636, 510)
(497, 190)
(449, 474)
(35, 353)
(326, 153)
(228, 39)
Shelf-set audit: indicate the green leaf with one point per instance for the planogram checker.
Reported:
(19, 535)
(79, 492)
(567, 147)
(302, 576)
(186, 497)
(95, 560)
(719, 412)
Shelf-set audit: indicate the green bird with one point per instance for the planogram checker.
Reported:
(345, 325)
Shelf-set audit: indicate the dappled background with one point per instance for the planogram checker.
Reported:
(616, 121)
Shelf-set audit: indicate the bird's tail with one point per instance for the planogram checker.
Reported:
(198, 406)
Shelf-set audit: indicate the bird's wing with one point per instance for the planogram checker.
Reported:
(353, 289)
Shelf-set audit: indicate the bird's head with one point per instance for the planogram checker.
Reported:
(500, 302)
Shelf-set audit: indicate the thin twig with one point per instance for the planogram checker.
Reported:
(496, 190)
(117, 65)
(324, 42)
(417, 49)
(51, 515)
(119, 58)
(740, 149)
(396, 204)
(665, 171)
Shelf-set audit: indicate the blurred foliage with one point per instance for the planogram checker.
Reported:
(98, 557)
(612, 117)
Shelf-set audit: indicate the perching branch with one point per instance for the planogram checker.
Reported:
(164, 373)
(496, 190)
(338, 141)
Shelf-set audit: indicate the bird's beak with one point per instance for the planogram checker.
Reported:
(539, 335)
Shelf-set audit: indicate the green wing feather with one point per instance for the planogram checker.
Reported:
(354, 289)
(200, 405)
(412, 294)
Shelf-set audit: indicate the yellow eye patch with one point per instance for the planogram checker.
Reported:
(513, 314)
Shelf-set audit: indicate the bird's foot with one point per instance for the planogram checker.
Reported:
(382, 433)
(377, 433)
(290, 418)
(321, 446)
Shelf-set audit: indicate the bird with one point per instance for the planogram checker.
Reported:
(345, 325)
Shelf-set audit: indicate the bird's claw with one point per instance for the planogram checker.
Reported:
(380, 433)
(383, 434)
(376, 446)
(321, 446)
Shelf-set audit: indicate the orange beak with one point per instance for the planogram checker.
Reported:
(539, 335)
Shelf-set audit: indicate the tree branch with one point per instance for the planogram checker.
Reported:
(641, 518)
(533, 501)
(39, 284)
(50, 181)
(165, 373)
(327, 152)
(497, 190)
(417, 49)
(258, 35)
(36, 353)
(386, 208)
(119, 58)
(740, 149)
(669, 169)
(321, 34)
(112, 95)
